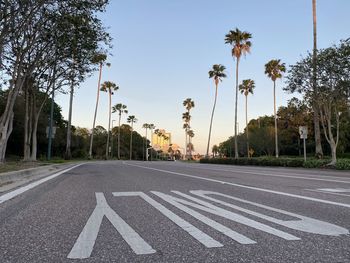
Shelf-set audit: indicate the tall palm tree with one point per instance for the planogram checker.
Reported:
(274, 69)
(189, 104)
(120, 108)
(109, 87)
(131, 119)
(245, 88)
(100, 59)
(186, 118)
(240, 42)
(318, 145)
(217, 73)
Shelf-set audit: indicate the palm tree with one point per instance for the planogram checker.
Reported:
(239, 40)
(120, 108)
(274, 69)
(186, 118)
(146, 126)
(190, 134)
(131, 119)
(245, 88)
(217, 73)
(156, 132)
(215, 150)
(189, 104)
(151, 127)
(318, 145)
(98, 59)
(109, 87)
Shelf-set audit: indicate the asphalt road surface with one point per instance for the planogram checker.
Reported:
(178, 212)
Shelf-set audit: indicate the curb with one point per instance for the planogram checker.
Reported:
(10, 177)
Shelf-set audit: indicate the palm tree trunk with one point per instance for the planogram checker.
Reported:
(274, 111)
(109, 122)
(236, 102)
(318, 145)
(146, 147)
(185, 143)
(131, 141)
(96, 107)
(246, 124)
(120, 115)
(211, 119)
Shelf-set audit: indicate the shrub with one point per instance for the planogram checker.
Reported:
(343, 164)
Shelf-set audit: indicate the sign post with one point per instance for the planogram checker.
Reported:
(303, 135)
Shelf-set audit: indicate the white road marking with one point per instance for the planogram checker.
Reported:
(277, 172)
(247, 187)
(281, 175)
(210, 208)
(23, 189)
(325, 192)
(84, 244)
(335, 190)
(305, 224)
(203, 238)
(219, 227)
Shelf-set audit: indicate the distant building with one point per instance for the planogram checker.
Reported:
(161, 141)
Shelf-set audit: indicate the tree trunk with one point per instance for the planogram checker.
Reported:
(246, 124)
(109, 122)
(26, 144)
(211, 119)
(131, 141)
(6, 119)
(236, 102)
(274, 111)
(120, 115)
(96, 107)
(68, 154)
(146, 144)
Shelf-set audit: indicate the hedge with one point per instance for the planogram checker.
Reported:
(342, 164)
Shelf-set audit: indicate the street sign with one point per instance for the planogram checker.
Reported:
(303, 132)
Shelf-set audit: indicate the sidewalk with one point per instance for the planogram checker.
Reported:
(10, 180)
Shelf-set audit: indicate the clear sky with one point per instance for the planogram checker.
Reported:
(163, 50)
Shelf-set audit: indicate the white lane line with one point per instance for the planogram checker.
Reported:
(246, 187)
(23, 189)
(85, 243)
(285, 173)
(210, 208)
(335, 190)
(280, 175)
(203, 238)
(219, 227)
(303, 223)
(325, 192)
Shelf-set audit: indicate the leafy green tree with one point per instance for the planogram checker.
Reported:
(241, 44)
(217, 73)
(109, 87)
(245, 88)
(274, 69)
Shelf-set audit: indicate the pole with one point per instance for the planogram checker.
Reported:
(304, 149)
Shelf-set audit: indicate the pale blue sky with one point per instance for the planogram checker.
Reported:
(163, 50)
